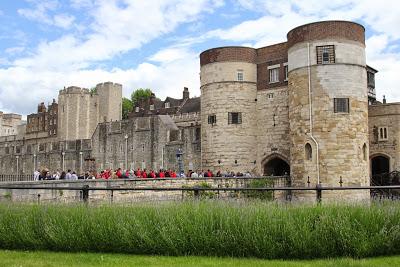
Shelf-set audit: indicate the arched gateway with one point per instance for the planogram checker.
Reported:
(276, 165)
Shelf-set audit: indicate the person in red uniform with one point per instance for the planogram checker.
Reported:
(144, 174)
(161, 174)
(138, 173)
(152, 174)
(119, 173)
(173, 174)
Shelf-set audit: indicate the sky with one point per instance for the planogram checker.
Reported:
(46, 45)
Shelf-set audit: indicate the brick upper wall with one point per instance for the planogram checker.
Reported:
(268, 56)
(327, 29)
(230, 53)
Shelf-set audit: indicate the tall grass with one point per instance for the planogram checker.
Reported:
(252, 229)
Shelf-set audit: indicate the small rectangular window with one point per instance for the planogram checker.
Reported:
(137, 109)
(212, 119)
(341, 105)
(270, 95)
(234, 118)
(240, 76)
(274, 75)
(326, 54)
(383, 134)
(286, 68)
(152, 107)
(166, 104)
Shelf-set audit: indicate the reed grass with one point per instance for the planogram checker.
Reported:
(206, 228)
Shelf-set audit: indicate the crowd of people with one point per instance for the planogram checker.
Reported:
(131, 174)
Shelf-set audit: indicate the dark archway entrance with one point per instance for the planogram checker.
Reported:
(380, 165)
(276, 167)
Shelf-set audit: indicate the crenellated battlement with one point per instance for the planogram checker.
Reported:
(74, 90)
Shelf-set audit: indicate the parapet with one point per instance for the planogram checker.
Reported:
(74, 90)
(228, 54)
(327, 30)
(108, 84)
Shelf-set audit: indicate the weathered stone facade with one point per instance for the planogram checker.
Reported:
(81, 110)
(10, 124)
(305, 107)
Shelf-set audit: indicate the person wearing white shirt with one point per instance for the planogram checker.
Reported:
(36, 175)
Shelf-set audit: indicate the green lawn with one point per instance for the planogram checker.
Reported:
(58, 259)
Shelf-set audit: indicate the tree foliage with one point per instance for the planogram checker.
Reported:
(126, 107)
(140, 94)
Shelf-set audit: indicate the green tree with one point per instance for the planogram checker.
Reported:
(126, 107)
(141, 93)
(93, 90)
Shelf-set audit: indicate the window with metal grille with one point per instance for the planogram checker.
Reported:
(212, 119)
(341, 105)
(234, 118)
(325, 54)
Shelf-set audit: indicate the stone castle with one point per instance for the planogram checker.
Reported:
(306, 107)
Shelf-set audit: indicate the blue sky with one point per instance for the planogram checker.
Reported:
(48, 44)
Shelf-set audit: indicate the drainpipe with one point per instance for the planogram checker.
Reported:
(310, 111)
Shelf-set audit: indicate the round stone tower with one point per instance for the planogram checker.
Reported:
(228, 79)
(328, 107)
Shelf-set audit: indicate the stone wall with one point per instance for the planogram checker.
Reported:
(227, 146)
(146, 142)
(385, 115)
(55, 193)
(272, 126)
(80, 110)
(341, 136)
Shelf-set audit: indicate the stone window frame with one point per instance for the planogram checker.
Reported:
(365, 152)
(234, 117)
(341, 105)
(286, 71)
(308, 153)
(212, 119)
(270, 96)
(151, 107)
(273, 72)
(137, 109)
(383, 133)
(239, 75)
(167, 105)
(326, 54)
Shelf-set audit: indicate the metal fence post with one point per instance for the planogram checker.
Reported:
(85, 193)
(319, 192)
(196, 192)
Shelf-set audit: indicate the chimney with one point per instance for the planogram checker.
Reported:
(384, 99)
(185, 93)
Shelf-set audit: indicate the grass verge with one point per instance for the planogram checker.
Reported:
(58, 259)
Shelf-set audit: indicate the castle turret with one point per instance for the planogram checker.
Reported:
(80, 110)
(328, 106)
(228, 95)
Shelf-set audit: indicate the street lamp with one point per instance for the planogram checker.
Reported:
(126, 152)
(17, 157)
(63, 160)
(34, 162)
(81, 161)
(179, 158)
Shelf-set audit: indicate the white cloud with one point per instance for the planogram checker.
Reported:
(117, 27)
(63, 20)
(382, 17)
(41, 13)
(14, 50)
